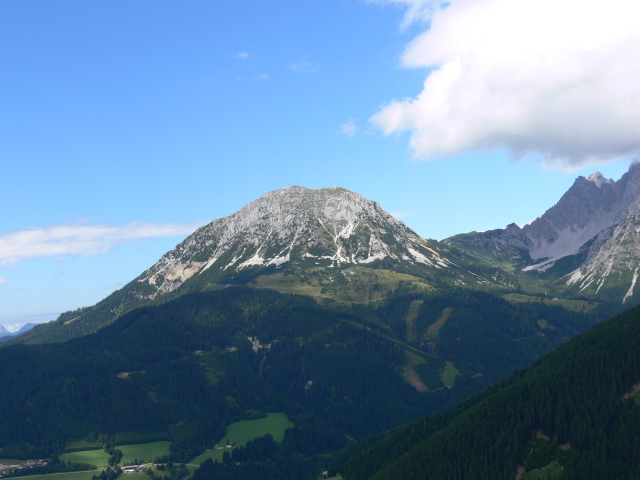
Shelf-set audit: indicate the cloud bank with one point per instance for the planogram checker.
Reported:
(78, 239)
(556, 78)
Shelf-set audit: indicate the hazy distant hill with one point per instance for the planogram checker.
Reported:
(5, 334)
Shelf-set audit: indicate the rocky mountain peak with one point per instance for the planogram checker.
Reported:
(326, 227)
(598, 179)
(588, 207)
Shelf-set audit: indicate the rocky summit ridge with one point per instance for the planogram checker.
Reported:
(329, 227)
(589, 240)
(337, 246)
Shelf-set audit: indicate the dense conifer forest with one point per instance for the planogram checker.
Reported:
(183, 370)
(572, 414)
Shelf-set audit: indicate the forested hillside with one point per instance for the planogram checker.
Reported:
(184, 370)
(572, 415)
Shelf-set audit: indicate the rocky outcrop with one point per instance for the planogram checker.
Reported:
(326, 227)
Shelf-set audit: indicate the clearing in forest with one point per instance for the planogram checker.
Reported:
(434, 330)
(412, 314)
(246, 430)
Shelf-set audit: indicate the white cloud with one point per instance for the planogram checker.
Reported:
(242, 55)
(551, 77)
(80, 239)
(3, 281)
(417, 10)
(263, 76)
(304, 66)
(350, 129)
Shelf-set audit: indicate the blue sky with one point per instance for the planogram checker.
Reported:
(125, 125)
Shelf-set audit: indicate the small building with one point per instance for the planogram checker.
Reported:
(231, 444)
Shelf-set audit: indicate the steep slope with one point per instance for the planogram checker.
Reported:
(330, 243)
(202, 359)
(574, 414)
(296, 225)
(586, 244)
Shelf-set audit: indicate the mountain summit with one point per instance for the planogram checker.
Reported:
(337, 246)
(589, 241)
(294, 226)
(329, 243)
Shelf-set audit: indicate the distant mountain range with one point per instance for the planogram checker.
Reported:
(585, 245)
(4, 333)
(385, 327)
(338, 247)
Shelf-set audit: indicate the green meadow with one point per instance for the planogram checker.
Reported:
(99, 458)
(573, 305)
(70, 476)
(245, 431)
(142, 451)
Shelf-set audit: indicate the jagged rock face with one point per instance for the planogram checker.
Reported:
(614, 256)
(588, 207)
(605, 212)
(327, 227)
(597, 222)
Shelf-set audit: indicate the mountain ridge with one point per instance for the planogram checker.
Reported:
(315, 222)
(332, 244)
(337, 246)
(586, 239)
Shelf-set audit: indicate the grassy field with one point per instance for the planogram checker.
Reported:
(356, 284)
(141, 451)
(72, 476)
(551, 471)
(449, 374)
(412, 314)
(246, 430)
(434, 330)
(76, 445)
(126, 476)
(98, 458)
(573, 305)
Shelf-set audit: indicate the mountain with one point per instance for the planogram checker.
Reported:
(25, 328)
(574, 414)
(297, 228)
(5, 335)
(585, 245)
(331, 244)
(340, 248)
(184, 369)
(389, 327)
(4, 332)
